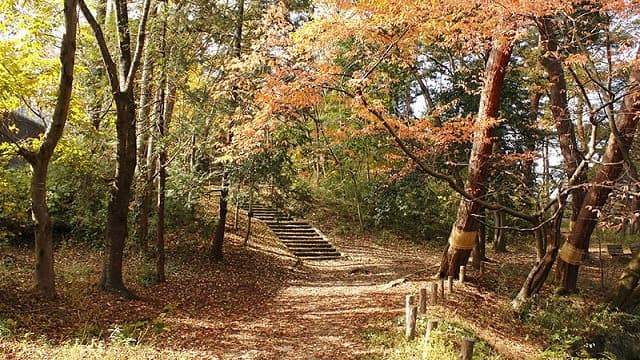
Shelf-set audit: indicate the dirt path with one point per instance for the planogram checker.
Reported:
(320, 309)
(259, 303)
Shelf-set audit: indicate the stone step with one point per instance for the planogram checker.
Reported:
(286, 223)
(317, 245)
(300, 237)
(296, 231)
(304, 240)
(315, 253)
(292, 228)
(272, 219)
(314, 250)
(615, 249)
(271, 215)
(320, 258)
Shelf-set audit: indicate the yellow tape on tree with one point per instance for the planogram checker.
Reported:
(571, 254)
(571, 225)
(462, 240)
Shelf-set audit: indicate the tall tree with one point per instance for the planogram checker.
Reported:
(218, 240)
(121, 80)
(40, 158)
(551, 60)
(608, 173)
(464, 233)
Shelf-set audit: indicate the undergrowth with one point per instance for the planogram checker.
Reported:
(444, 342)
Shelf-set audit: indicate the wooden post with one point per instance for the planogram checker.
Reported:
(431, 325)
(407, 311)
(434, 293)
(482, 268)
(462, 272)
(450, 284)
(423, 300)
(466, 351)
(441, 286)
(412, 315)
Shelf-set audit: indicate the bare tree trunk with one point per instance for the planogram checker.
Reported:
(165, 101)
(464, 232)
(540, 271)
(216, 253)
(118, 208)
(612, 166)
(479, 250)
(40, 159)
(144, 148)
(247, 234)
(121, 79)
(216, 248)
(499, 242)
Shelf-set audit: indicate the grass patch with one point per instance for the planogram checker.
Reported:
(444, 343)
(578, 330)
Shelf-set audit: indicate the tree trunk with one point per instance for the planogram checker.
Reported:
(144, 170)
(44, 276)
(552, 64)
(608, 173)
(118, 208)
(540, 271)
(628, 282)
(96, 73)
(216, 253)
(464, 232)
(479, 251)
(121, 77)
(250, 214)
(164, 111)
(499, 242)
(39, 160)
(216, 248)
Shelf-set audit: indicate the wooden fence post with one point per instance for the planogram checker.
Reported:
(423, 300)
(411, 317)
(442, 290)
(431, 325)
(450, 284)
(466, 351)
(434, 293)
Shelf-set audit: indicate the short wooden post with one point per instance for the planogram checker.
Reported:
(431, 325)
(434, 293)
(407, 311)
(482, 268)
(463, 270)
(466, 351)
(450, 284)
(412, 316)
(423, 300)
(408, 301)
(441, 286)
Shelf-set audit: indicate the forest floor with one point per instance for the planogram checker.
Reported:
(259, 303)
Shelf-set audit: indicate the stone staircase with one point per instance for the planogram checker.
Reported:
(300, 238)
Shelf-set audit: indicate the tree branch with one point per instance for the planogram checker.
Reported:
(110, 65)
(139, 45)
